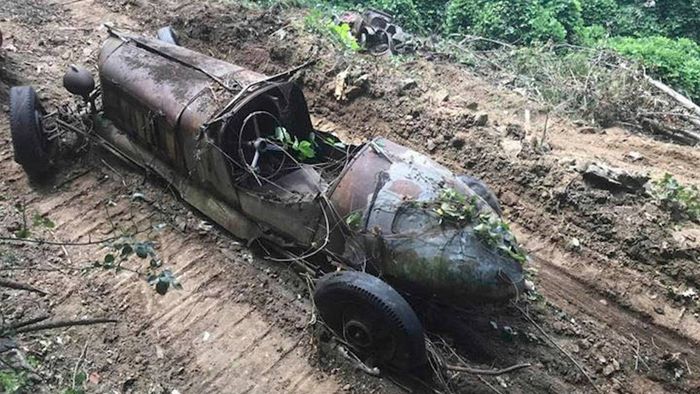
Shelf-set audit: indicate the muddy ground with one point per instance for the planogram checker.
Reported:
(614, 270)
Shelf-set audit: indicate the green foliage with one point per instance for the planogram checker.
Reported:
(354, 220)
(497, 234)
(589, 36)
(124, 248)
(683, 201)
(459, 210)
(516, 21)
(677, 62)
(454, 207)
(303, 149)
(12, 382)
(598, 12)
(42, 221)
(318, 22)
(341, 34)
(164, 281)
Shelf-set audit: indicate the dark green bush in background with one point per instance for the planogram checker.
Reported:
(662, 34)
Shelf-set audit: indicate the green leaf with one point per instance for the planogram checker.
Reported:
(80, 378)
(109, 259)
(354, 220)
(127, 250)
(305, 150)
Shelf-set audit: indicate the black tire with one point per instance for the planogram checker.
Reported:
(483, 191)
(167, 34)
(28, 138)
(372, 317)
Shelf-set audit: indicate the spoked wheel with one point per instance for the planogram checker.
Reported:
(29, 139)
(257, 153)
(372, 317)
(483, 191)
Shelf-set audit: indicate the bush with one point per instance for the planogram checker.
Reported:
(676, 62)
(598, 12)
(516, 21)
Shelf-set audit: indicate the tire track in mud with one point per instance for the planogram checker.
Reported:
(576, 296)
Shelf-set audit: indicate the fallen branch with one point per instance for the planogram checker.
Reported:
(580, 368)
(491, 372)
(681, 99)
(20, 286)
(680, 135)
(64, 323)
(17, 325)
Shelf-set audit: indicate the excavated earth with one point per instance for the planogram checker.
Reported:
(615, 273)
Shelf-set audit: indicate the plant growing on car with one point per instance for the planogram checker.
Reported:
(454, 207)
(497, 234)
(683, 201)
(303, 149)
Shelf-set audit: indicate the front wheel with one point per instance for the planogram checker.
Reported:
(28, 137)
(372, 317)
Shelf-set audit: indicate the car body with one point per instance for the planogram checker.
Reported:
(229, 140)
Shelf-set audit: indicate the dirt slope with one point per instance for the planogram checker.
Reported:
(238, 325)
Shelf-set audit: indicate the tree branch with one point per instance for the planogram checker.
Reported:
(20, 286)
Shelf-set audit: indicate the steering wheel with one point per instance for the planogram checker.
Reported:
(260, 156)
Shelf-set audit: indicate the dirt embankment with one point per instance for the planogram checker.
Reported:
(613, 296)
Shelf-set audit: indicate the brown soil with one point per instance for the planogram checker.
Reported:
(615, 303)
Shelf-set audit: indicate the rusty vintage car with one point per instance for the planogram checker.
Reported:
(381, 225)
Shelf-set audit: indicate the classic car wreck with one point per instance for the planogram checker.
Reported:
(240, 147)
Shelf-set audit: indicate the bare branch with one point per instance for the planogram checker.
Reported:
(20, 286)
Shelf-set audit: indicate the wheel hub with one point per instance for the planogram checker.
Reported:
(357, 334)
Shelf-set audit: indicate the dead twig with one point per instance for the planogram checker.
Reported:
(489, 372)
(33, 320)
(80, 361)
(489, 385)
(20, 286)
(580, 368)
(64, 323)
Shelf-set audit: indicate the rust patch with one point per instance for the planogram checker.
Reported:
(405, 188)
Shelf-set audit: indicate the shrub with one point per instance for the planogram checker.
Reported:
(598, 12)
(677, 62)
(589, 36)
(517, 21)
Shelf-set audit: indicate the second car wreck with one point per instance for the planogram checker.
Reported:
(384, 223)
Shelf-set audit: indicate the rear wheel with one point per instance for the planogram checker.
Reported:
(28, 138)
(483, 191)
(371, 317)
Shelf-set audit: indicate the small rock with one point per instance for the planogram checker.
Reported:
(441, 95)
(347, 387)
(481, 119)
(608, 370)
(634, 156)
(659, 310)
(516, 131)
(431, 145)
(473, 106)
(509, 198)
(407, 84)
(588, 130)
(610, 178)
(574, 244)
(511, 147)
(603, 301)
